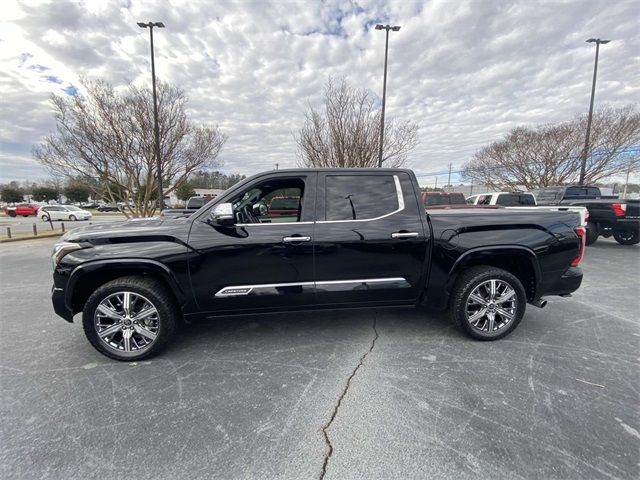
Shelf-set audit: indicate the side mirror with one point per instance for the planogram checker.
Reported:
(222, 215)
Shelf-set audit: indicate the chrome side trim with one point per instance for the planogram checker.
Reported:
(262, 224)
(237, 290)
(365, 280)
(242, 290)
(400, 198)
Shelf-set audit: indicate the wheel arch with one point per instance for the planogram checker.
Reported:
(515, 259)
(86, 278)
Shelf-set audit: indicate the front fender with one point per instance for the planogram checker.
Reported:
(137, 265)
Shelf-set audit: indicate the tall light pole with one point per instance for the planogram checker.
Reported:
(156, 127)
(384, 85)
(585, 151)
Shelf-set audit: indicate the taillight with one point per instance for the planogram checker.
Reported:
(620, 209)
(582, 235)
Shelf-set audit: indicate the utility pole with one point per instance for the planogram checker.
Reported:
(436, 187)
(626, 184)
(585, 151)
(156, 127)
(384, 86)
(277, 166)
(449, 181)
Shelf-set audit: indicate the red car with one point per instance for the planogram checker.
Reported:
(24, 209)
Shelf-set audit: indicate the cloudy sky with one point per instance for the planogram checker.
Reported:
(466, 71)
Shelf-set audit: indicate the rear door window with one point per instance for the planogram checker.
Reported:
(484, 200)
(360, 197)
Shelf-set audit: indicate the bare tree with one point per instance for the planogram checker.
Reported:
(551, 154)
(345, 132)
(108, 135)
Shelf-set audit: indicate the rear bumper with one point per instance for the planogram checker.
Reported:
(59, 304)
(569, 282)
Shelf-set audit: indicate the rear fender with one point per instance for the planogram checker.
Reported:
(503, 257)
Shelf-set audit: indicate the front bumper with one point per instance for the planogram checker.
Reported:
(59, 304)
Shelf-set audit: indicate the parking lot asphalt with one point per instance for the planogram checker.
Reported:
(390, 393)
(25, 224)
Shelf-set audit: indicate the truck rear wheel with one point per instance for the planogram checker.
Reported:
(592, 233)
(130, 318)
(488, 303)
(627, 237)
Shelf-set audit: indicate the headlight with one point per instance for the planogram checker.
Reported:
(61, 249)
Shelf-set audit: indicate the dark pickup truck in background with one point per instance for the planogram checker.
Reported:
(359, 238)
(192, 206)
(608, 215)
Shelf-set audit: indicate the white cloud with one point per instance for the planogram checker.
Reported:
(466, 71)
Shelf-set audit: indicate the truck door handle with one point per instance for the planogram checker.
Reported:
(295, 239)
(404, 235)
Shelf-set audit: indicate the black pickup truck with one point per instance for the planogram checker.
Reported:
(608, 215)
(359, 238)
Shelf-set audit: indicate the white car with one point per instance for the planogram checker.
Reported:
(63, 212)
(507, 199)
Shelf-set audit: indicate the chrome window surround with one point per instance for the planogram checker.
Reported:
(399, 194)
(238, 290)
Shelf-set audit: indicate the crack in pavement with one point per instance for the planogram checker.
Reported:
(344, 393)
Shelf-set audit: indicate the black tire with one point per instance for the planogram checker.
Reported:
(627, 237)
(25, 216)
(592, 233)
(12, 214)
(45, 218)
(467, 282)
(152, 290)
(72, 218)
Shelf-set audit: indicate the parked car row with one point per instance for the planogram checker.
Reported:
(602, 215)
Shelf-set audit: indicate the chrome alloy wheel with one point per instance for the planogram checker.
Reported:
(491, 306)
(127, 322)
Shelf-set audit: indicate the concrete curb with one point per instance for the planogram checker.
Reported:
(32, 237)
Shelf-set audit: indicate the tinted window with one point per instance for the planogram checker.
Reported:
(593, 191)
(436, 200)
(547, 194)
(514, 199)
(575, 192)
(280, 203)
(359, 197)
(196, 202)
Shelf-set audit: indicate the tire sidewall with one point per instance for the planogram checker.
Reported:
(158, 297)
(72, 218)
(464, 290)
(627, 241)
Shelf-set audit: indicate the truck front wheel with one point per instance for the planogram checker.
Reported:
(130, 318)
(627, 237)
(488, 302)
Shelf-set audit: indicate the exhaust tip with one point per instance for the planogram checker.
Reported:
(539, 303)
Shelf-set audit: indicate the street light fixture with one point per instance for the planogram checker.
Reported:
(384, 85)
(150, 26)
(583, 164)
